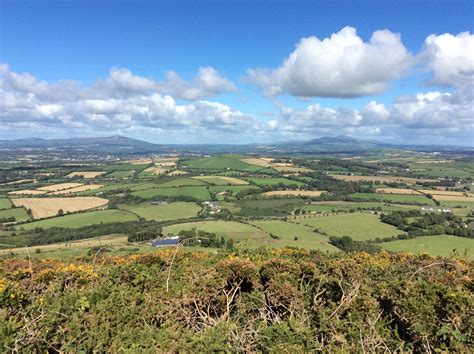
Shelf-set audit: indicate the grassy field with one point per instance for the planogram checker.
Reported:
(358, 226)
(18, 213)
(126, 167)
(273, 181)
(121, 174)
(293, 193)
(394, 198)
(5, 203)
(197, 192)
(442, 245)
(346, 206)
(172, 211)
(287, 232)
(234, 189)
(83, 219)
(221, 163)
(268, 207)
(181, 182)
(227, 229)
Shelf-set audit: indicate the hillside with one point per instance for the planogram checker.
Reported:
(284, 300)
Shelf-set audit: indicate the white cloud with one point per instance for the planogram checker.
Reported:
(342, 65)
(450, 58)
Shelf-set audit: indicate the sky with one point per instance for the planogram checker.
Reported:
(182, 71)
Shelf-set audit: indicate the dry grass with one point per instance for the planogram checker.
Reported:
(27, 192)
(86, 187)
(86, 174)
(156, 170)
(408, 180)
(297, 193)
(47, 207)
(398, 191)
(454, 198)
(291, 169)
(143, 161)
(257, 162)
(166, 164)
(446, 193)
(59, 187)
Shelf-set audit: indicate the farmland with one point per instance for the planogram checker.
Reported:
(293, 193)
(47, 207)
(5, 203)
(394, 198)
(220, 163)
(274, 181)
(172, 211)
(18, 213)
(197, 192)
(82, 219)
(221, 180)
(85, 174)
(359, 226)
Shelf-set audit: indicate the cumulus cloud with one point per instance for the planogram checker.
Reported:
(424, 115)
(342, 65)
(207, 83)
(122, 101)
(450, 58)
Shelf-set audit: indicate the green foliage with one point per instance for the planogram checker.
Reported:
(284, 300)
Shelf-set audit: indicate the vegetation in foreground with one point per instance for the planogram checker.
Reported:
(284, 300)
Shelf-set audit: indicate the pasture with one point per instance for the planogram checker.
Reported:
(382, 179)
(261, 181)
(293, 193)
(359, 226)
(228, 229)
(440, 245)
(394, 198)
(121, 174)
(198, 192)
(154, 171)
(268, 207)
(405, 191)
(294, 235)
(5, 203)
(181, 182)
(346, 206)
(171, 211)
(47, 207)
(82, 219)
(18, 213)
(220, 163)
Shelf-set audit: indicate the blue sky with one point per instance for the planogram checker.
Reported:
(82, 40)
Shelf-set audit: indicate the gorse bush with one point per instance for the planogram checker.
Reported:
(285, 300)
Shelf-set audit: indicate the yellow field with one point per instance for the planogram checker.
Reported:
(454, 198)
(59, 187)
(142, 161)
(297, 193)
(156, 170)
(20, 181)
(85, 174)
(398, 191)
(47, 207)
(231, 180)
(28, 192)
(446, 193)
(166, 164)
(165, 159)
(257, 162)
(408, 180)
(86, 187)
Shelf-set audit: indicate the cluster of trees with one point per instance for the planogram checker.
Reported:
(347, 244)
(7, 219)
(427, 224)
(205, 239)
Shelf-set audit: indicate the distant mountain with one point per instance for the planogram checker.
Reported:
(336, 144)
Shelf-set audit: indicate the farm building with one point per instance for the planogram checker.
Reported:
(165, 242)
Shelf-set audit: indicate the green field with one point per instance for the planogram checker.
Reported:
(172, 211)
(442, 245)
(18, 213)
(464, 204)
(287, 232)
(273, 181)
(268, 207)
(121, 174)
(221, 163)
(346, 206)
(394, 198)
(126, 167)
(359, 226)
(197, 192)
(227, 229)
(82, 219)
(5, 203)
(181, 182)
